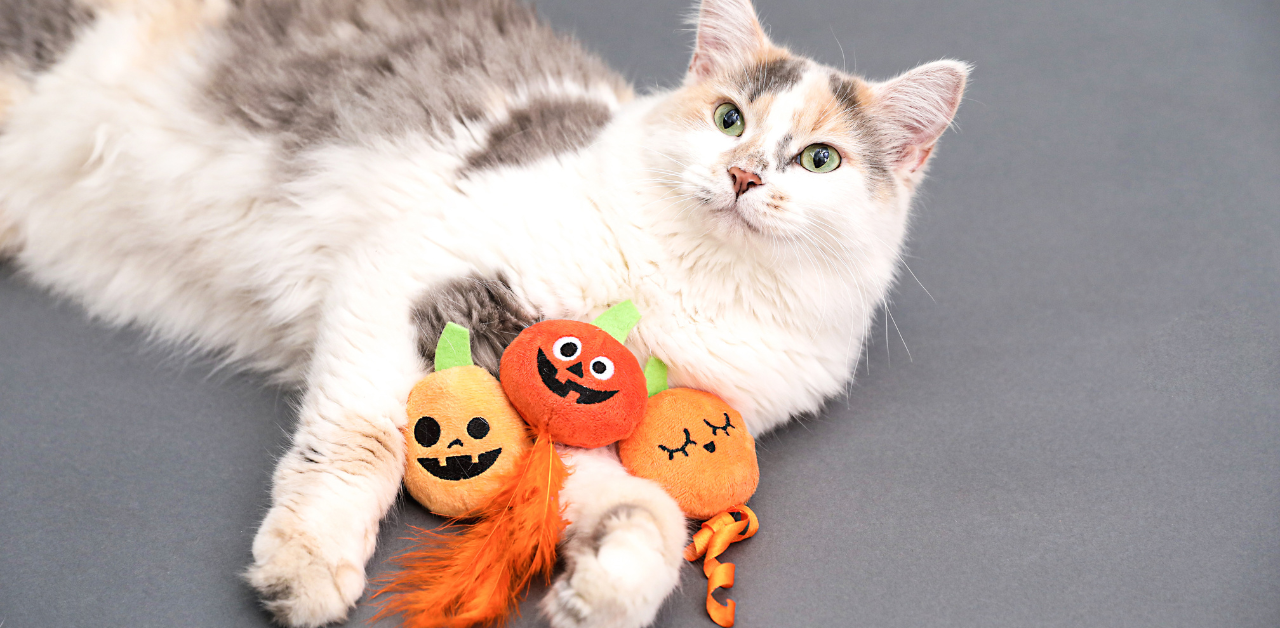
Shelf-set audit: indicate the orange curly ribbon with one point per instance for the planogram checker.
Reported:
(713, 539)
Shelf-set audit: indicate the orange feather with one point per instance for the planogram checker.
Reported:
(475, 577)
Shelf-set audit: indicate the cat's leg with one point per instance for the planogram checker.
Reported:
(622, 550)
(344, 468)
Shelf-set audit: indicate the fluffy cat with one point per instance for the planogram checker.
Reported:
(314, 188)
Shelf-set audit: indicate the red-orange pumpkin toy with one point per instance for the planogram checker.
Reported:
(574, 384)
(575, 381)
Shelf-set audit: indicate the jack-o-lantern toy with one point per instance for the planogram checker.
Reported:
(576, 380)
(697, 448)
(464, 438)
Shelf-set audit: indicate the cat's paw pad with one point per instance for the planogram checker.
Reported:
(299, 579)
(616, 575)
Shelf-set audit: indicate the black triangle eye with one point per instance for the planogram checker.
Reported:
(426, 431)
(478, 428)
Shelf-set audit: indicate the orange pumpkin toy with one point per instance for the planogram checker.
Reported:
(476, 576)
(463, 436)
(697, 448)
(693, 445)
(576, 381)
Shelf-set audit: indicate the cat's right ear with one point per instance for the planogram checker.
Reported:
(729, 34)
(916, 108)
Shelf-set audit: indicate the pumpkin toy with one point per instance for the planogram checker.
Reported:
(595, 393)
(463, 437)
(576, 381)
(696, 447)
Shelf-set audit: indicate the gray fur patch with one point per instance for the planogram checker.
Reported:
(770, 77)
(36, 33)
(343, 70)
(873, 158)
(875, 161)
(544, 128)
(486, 307)
(783, 155)
(846, 93)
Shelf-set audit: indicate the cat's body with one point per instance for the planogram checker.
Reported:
(315, 188)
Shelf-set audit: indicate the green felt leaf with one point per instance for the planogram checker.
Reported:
(655, 375)
(453, 348)
(619, 320)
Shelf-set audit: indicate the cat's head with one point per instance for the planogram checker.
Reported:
(762, 149)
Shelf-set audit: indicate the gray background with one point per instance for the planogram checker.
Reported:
(1086, 431)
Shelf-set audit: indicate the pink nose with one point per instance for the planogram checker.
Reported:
(743, 180)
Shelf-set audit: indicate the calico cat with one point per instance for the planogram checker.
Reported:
(313, 188)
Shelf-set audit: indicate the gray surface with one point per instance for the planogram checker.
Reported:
(1087, 432)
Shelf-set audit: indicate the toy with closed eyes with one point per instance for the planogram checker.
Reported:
(693, 445)
(697, 448)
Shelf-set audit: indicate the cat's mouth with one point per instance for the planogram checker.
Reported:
(457, 468)
(736, 215)
(729, 210)
(550, 378)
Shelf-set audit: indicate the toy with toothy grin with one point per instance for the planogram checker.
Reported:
(457, 468)
(550, 378)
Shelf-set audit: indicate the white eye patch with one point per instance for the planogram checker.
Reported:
(602, 368)
(567, 348)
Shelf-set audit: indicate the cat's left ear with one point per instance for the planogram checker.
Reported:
(729, 34)
(917, 107)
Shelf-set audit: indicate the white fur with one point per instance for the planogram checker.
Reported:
(624, 549)
(118, 189)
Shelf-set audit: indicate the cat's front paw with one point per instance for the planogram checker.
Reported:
(617, 573)
(302, 580)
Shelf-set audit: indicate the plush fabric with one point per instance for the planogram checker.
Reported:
(696, 447)
(463, 438)
(619, 320)
(575, 380)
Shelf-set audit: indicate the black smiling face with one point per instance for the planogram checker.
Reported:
(568, 349)
(427, 431)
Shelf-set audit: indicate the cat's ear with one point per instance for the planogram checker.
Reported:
(728, 35)
(917, 107)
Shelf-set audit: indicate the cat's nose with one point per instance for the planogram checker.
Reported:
(743, 180)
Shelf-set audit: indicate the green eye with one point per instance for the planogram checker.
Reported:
(729, 119)
(820, 158)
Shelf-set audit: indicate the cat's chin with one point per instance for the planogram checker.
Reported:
(737, 219)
